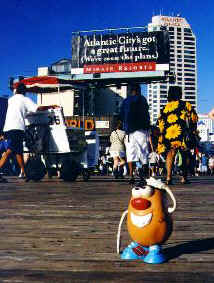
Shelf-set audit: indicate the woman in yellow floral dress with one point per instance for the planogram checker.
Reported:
(177, 122)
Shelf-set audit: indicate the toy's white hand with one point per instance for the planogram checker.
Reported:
(155, 183)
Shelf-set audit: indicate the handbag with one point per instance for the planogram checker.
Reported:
(121, 141)
(179, 158)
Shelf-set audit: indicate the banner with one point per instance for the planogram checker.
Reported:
(125, 52)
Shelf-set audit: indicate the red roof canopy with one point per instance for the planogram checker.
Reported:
(47, 84)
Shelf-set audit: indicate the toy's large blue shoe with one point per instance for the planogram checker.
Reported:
(134, 251)
(155, 255)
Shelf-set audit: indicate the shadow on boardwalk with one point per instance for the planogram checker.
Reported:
(196, 246)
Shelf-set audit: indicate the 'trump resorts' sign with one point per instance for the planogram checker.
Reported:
(169, 21)
(126, 52)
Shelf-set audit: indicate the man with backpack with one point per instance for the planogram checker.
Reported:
(134, 114)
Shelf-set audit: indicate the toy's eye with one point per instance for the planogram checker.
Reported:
(146, 191)
(136, 192)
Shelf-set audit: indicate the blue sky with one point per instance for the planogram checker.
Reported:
(38, 33)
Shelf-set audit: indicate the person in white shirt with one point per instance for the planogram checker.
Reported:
(14, 127)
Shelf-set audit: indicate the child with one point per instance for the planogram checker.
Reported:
(153, 163)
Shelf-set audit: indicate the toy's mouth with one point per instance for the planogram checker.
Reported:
(141, 221)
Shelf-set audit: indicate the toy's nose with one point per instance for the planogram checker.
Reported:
(140, 203)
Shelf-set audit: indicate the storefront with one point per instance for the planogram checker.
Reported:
(103, 125)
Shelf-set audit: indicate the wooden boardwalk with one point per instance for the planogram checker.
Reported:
(54, 231)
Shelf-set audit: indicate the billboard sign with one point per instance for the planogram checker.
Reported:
(125, 52)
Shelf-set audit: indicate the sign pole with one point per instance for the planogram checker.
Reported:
(83, 108)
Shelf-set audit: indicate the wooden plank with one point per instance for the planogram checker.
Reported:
(66, 232)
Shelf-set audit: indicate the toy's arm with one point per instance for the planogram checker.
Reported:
(160, 185)
(119, 229)
(170, 209)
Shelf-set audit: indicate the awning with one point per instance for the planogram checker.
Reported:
(47, 84)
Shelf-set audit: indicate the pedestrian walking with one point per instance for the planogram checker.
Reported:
(117, 150)
(14, 127)
(204, 164)
(134, 114)
(178, 124)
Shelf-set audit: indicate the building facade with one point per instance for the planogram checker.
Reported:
(205, 128)
(183, 63)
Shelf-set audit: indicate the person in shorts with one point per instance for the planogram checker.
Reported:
(14, 127)
(134, 113)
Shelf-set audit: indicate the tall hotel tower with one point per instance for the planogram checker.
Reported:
(182, 62)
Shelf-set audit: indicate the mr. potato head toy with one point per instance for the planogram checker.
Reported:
(149, 222)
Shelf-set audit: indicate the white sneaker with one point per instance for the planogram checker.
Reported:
(22, 175)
